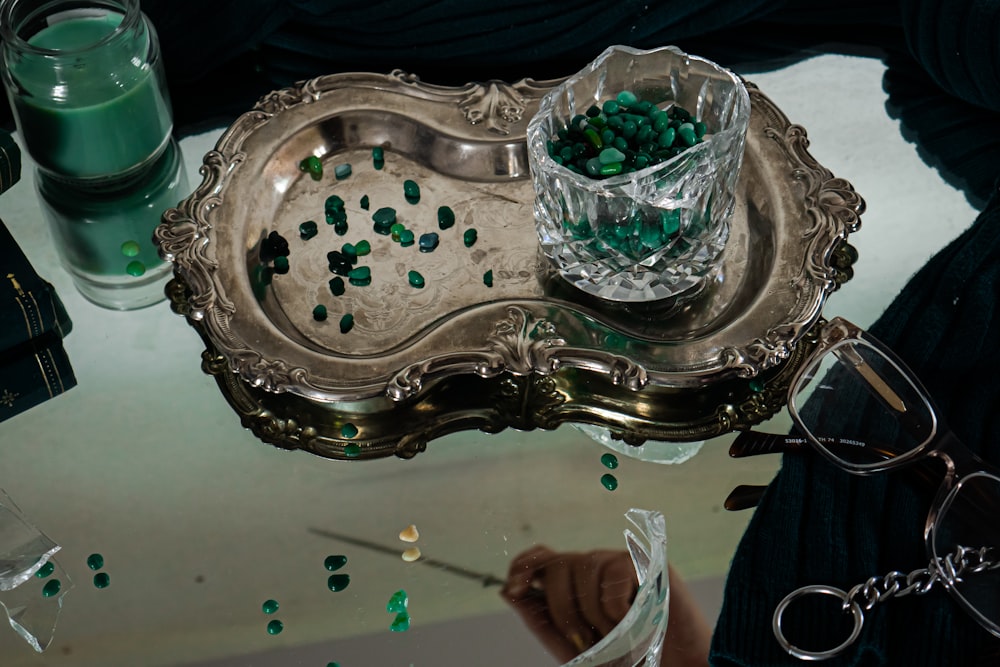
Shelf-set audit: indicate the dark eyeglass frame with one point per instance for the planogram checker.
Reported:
(938, 441)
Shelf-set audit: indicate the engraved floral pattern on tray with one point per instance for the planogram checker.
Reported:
(791, 218)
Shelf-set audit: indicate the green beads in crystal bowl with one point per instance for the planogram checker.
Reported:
(648, 222)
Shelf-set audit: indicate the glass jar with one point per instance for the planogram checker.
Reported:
(649, 233)
(86, 84)
(105, 236)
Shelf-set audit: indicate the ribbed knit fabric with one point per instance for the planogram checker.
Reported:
(819, 525)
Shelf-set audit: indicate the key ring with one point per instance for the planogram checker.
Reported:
(802, 654)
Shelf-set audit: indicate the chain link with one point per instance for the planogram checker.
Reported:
(950, 567)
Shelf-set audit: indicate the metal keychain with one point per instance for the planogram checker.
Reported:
(863, 597)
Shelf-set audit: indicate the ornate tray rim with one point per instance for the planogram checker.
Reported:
(492, 109)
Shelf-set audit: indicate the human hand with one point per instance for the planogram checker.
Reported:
(570, 600)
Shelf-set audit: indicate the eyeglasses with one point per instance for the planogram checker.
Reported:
(896, 425)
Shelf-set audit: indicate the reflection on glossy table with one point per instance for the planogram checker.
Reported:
(200, 523)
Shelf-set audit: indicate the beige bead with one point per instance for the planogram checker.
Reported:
(411, 554)
(409, 534)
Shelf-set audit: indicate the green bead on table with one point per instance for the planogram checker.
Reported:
(609, 461)
(338, 582)
(470, 237)
(281, 265)
(319, 313)
(45, 570)
(269, 606)
(488, 278)
(135, 268)
(365, 203)
(401, 623)
(95, 561)
(275, 627)
(337, 287)
(397, 603)
(335, 562)
(384, 218)
(378, 157)
(102, 580)
(415, 279)
(406, 238)
(362, 248)
(346, 323)
(609, 482)
(51, 588)
(342, 171)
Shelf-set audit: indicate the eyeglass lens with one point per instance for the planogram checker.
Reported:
(970, 518)
(860, 407)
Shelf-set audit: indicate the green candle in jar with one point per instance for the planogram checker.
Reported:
(87, 88)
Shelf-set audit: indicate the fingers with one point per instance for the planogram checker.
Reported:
(570, 600)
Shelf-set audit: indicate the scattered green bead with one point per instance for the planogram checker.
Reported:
(365, 202)
(362, 248)
(319, 313)
(360, 276)
(102, 580)
(130, 248)
(349, 430)
(95, 561)
(308, 230)
(269, 606)
(397, 603)
(406, 238)
(488, 278)
(428, 242)
(340, 228)
(470, 237)
(350, 252)
(378, 157)
(338, 582)
(313, 165)
(45, 570)
(609, 482)
(135, 268)
(281, 265)
(384, 219)
(334, 203)
(342, 171)
(396, 230)
(335, 562)
(333, 664)
(401, 623)
(609, 461)
(336, 217)
(51, 588)
(275, 627)
(411, 191)
(346, 323)
(352, 450)
(415, 279)
(446, 217)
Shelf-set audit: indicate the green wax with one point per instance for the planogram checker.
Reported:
(97, 114)
(105, 234)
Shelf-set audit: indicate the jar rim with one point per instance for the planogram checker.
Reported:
(10, 34)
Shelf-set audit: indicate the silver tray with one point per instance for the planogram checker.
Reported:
(527, 352)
